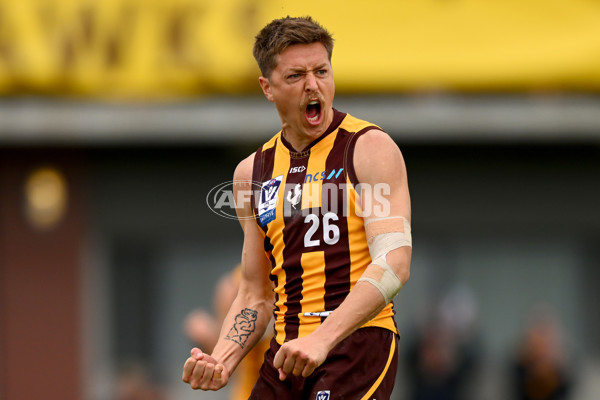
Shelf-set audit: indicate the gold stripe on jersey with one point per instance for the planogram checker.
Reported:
(352, 124)
(311, 190)
(311, 195)
(281, 165)
(357, 238)
(272, 142)
(313, 300)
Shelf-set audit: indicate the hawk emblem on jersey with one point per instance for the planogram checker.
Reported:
(294, 196)
(268, 200)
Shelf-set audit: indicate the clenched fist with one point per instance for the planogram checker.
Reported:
(203, 372)
(299, 357)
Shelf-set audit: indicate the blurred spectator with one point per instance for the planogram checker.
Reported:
(204, 327)
(134, 383)
(445, 351)
(540, 369)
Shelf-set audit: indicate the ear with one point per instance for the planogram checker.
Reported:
(266, 87)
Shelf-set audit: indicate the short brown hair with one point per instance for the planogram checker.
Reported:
(281, 33)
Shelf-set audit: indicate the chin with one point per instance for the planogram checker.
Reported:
(315, 131)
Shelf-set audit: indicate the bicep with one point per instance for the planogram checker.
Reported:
(379, 166)
(255, 264)
(381, 172)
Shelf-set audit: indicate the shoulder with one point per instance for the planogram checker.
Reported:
(243, 171)
(242, 182)
(376, 146)
(374, 138)
(376, 155)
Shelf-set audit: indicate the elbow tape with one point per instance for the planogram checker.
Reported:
(383, 236)
(383, 277)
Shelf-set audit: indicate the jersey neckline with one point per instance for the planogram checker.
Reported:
(338, 117)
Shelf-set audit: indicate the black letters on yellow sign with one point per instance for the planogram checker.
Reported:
(124, 48)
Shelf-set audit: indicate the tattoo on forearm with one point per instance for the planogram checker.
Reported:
(244, 326)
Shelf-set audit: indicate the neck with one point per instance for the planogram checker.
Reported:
(298, 142)
(299, 139)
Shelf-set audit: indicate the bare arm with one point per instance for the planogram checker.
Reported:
(377, 160)
(251, 310)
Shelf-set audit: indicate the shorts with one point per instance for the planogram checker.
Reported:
(362, 366)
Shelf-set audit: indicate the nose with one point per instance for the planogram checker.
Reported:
(310, 85)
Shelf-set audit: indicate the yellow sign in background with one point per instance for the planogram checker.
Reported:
(156, 49)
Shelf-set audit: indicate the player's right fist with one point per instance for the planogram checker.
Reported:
(201, 371)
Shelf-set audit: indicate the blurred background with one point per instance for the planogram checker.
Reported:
(118, 117)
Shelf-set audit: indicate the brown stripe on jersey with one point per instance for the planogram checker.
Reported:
(349, 154)
(293, 237)
(262, 171)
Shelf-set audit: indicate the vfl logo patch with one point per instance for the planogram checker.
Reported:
(323, 395)
(269, 194)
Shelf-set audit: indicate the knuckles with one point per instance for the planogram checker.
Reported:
(203, 375)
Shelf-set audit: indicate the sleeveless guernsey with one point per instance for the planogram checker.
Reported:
(313, 233)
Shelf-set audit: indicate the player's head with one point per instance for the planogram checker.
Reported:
(281, 33)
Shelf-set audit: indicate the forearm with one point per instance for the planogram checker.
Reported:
(361, 305)
(242, 328)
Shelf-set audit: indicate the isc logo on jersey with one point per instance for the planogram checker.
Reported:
(301, 168)
(323, 395)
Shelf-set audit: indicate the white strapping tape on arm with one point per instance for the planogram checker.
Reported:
(387, 234)
(383, 236)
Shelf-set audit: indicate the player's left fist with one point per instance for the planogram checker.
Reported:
(299, 357)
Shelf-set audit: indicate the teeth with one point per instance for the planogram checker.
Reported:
(316, 117)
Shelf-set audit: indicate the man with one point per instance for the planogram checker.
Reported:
(330, 228)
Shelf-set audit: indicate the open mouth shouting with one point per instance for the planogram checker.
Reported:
(313, 112)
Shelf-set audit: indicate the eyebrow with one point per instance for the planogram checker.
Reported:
(300, 69)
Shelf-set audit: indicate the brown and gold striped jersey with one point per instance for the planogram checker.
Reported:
(313, 232)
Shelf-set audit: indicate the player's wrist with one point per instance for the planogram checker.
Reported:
(225, 361)
(326, 335)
